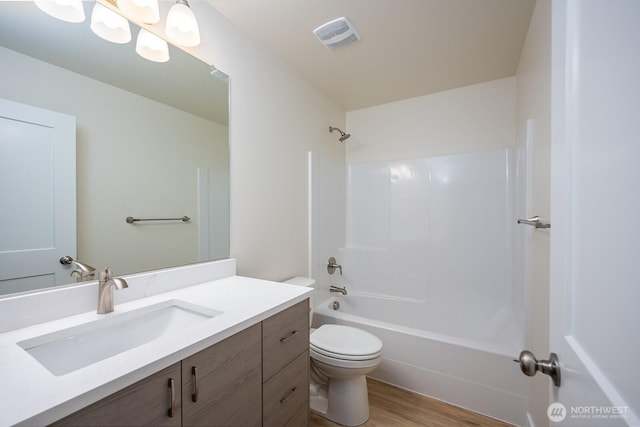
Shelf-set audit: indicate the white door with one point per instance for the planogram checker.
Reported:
(595, 212)
(37, 196)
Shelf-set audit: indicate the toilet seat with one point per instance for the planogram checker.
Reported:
(345, 343)
(350, 365)
(344, 356)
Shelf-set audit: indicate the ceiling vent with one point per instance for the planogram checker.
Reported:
(337, 33)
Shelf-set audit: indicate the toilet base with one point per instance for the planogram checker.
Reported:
(345, 401)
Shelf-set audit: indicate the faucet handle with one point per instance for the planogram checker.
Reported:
(332, 265)
(105, 274)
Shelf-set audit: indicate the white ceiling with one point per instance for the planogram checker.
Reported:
(408, 47)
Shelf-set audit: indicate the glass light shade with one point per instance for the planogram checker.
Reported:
(182, 26)
(109, 25)
(145, 11)
(65, 10)
(152, 47)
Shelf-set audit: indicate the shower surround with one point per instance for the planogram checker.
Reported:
(432, 261)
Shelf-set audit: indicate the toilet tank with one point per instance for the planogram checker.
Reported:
(301, 281)
(308, 282)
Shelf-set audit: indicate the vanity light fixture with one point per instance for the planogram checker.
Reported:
(152, 47)
(65, 10)
(109, 25)
(182, 26)
(145, 11)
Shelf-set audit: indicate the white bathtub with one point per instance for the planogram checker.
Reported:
(470, 367)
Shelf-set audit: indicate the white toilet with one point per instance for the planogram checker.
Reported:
(341, 357)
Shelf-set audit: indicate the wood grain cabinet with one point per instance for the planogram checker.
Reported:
(259, 376)
(285, 367)
(221, 385)
(153, 401)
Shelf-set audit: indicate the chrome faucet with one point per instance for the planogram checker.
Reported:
(82, 271)
(342, 290)
(106, 283)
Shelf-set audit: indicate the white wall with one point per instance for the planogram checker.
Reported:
(533, 83)
(470, 118)
(276, 118)
(122, 138)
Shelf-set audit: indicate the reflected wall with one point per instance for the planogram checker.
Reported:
(135, 157)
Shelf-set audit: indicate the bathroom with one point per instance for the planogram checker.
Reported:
(290, 117)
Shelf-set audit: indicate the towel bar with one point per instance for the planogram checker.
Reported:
(131, 220)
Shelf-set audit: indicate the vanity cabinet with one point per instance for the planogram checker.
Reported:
(285, 367)
(221, 385)
(259, 376)
(146, 403)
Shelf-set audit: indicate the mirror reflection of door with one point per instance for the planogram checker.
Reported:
(38, 203)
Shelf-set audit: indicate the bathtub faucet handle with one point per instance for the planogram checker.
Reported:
(332, 265)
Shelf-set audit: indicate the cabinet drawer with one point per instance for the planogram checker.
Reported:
(286, 395)
(284, 336)
(145, 403)
(226, 383)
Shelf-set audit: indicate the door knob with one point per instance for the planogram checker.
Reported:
(530, 365)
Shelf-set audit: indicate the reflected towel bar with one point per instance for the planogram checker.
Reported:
(535, 221)
(131, 220)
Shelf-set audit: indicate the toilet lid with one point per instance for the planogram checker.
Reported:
(345, 341)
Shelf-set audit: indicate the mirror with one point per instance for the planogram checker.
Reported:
(151, 140)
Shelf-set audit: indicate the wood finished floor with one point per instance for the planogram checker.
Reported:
(391, 406)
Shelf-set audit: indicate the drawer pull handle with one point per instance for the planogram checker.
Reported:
(172, 399)
(288, 336)
(288, 396)
(194, 374)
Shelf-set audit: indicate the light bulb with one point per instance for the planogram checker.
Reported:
(109, 25)
(65, 10)
(182, 26)
(152, 47)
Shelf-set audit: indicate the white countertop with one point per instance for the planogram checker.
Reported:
(31, 395)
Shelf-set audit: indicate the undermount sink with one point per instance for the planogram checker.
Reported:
(70, 349)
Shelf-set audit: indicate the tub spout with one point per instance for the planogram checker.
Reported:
(342, 290)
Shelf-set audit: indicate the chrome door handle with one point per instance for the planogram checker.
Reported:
(530, 365)
(535, 221)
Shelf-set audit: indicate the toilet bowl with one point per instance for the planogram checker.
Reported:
(341, 358)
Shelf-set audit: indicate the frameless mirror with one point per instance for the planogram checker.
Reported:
(151, 143)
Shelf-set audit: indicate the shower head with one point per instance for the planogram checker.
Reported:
(343, 135)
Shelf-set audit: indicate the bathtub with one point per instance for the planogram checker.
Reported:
(470, 367)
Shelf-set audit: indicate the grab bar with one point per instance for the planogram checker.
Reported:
(131, 220)
(534, 221)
